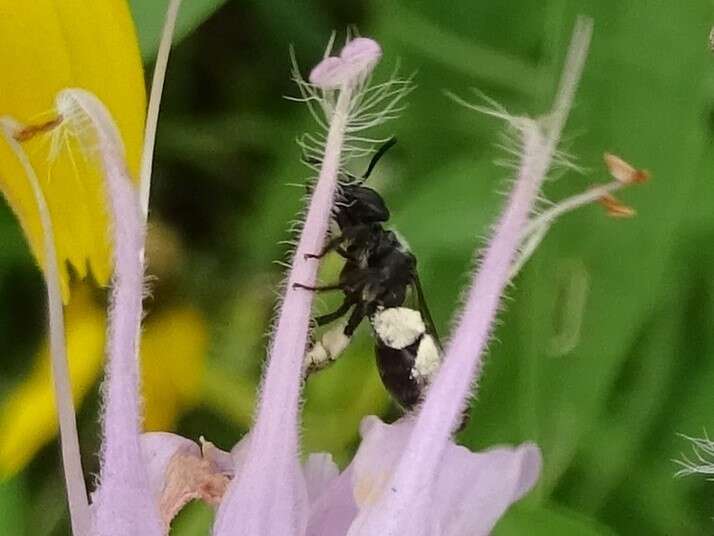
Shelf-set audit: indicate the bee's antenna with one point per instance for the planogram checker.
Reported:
(379, 154)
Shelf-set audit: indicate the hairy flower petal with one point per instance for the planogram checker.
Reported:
(333, 511)
(158, 448)
(320, 471)
(404, 510)
(471, 492)
(268, 496)
(123, 501)
(180, 472)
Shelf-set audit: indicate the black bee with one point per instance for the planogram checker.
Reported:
(379, 271)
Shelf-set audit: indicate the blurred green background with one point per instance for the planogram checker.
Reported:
(605, 350)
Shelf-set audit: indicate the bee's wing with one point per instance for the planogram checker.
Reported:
(424, 310)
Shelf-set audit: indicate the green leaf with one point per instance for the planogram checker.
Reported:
(13, 506)
(196, 518)
(547, 521)
(149, 18)
(626, 261)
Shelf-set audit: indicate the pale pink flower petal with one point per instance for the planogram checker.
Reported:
(329, 73)
(361, 54)
(157, 449)
(319, 470)
(335, 509)
(356, 60)
(472, 489)
(180, 472)
(123, 502)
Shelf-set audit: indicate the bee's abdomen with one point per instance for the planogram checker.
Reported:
(395, 368)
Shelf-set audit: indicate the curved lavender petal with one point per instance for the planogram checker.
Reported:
(474, 489)
(333, 511)
(356, 59)
(71, 458)
(405, 509)
(158, 448)
(267, 496)
(124, 504)
(320, 471)
(471, 491)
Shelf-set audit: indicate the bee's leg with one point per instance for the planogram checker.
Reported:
(465, 418)
(359, 312)
(332, 244)
(318, 288)
(334, 315)
(333, 342)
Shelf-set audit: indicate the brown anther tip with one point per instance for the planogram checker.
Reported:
(624, 172)
(642, 175)
(31, 131)
(615, 208)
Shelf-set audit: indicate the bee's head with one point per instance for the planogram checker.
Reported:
(360, 205)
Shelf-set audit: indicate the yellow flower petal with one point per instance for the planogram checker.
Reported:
(51, 45)
(174, 347)
(28, 416)
(173, 356)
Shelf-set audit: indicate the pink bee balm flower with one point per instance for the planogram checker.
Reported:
(406, 478)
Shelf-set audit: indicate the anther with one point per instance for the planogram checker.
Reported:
(30, 131)
(615, 207)
(624, 172)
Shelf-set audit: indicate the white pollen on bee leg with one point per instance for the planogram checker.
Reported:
(398, 327)
(328, 348)
(335, 341)
(317, 356)
(427, 360)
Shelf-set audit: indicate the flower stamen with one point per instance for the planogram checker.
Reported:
(30, 131)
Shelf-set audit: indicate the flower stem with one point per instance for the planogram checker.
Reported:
(547, 217)
(535, 231)
(152, 117)
(69, 440)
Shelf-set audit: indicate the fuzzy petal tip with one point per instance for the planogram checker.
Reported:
(356, 60)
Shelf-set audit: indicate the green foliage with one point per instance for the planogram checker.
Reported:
(149, 17)
(546, 521)
(13, 506)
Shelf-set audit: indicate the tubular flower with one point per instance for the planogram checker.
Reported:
(406, 478)
(54, 45)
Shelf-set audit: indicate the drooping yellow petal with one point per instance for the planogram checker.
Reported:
(173, 356)
(28, 416)
(50, 45)
(173, 345)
